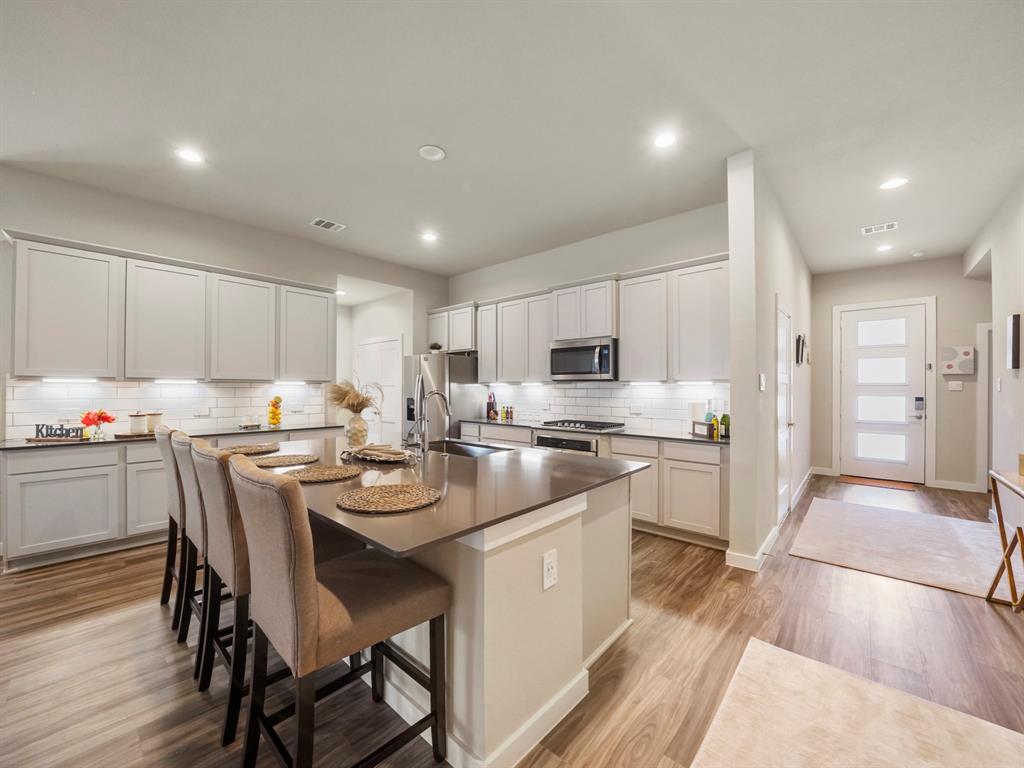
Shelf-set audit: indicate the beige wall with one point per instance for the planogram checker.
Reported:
(689, 235)
(960, 304)
(1003, 237)
(43, 205)
(388, 316)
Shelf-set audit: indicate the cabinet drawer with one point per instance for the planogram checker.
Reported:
(46, 459)
(136, 454)
(702, 454)
(506, 434)
(469, 430)
(635, 447)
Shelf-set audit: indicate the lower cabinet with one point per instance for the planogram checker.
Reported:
(146, 498)
(643, 490)
(691, 496)
(65, 508)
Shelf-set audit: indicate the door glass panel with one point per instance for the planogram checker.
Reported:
(882, 370)
(880, 446)
(882, 333)
(891, 408)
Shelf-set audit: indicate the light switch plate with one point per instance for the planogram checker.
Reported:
(956, 386)
(762, 382)
(550, 568)
(635, 409)
(200, 410)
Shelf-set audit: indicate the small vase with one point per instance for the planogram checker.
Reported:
(357, 432)
(97, 433)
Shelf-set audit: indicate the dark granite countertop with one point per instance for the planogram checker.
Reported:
(627, 432)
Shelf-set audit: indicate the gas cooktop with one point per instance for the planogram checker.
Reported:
(586, 426)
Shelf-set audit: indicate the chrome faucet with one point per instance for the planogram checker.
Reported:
(420, 423)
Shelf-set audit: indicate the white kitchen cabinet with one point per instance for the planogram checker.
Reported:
(643, 333)
(68, 312)
(691, 496)
(644, 499)
(512, 341)
(487, 343)
(146, 498)
(47, 511)
(585, 311)
(307, 324)
(165, 321)
(462, 329)
(538, 338)
(698, 325)
(469, 433)
(437, 329)
(243, 328)
(506, 434)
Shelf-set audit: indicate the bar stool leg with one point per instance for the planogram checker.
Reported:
(179, 597)
(438, 704)
(305, 719)
(189, 580)
(172, 545)
(239, 646)
(205, 658)
(257, 693)
(377, 673)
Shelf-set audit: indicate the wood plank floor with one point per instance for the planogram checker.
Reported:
(90, 674)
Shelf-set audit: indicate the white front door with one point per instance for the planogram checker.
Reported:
(783, 413)
(379, 361)
(882, 391)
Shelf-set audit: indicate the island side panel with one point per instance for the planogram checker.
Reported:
(607, 560)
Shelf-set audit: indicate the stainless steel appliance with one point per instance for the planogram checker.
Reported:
(585, 359)
(566, 443)
(454, 377)
(586, 426)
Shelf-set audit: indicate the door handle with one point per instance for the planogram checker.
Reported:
(597, 359)
(918, 416)
(790, 423)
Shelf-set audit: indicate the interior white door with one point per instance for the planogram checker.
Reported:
(784, 413)
(379, 361)
(882, 393)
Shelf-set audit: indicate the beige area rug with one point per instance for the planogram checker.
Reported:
(944, 552)
(783, 709)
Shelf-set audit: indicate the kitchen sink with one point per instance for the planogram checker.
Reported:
(458, 448)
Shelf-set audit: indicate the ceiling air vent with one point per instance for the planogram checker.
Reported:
(330, 226)
(874, 229)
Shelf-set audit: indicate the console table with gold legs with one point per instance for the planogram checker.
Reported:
(1014, 482)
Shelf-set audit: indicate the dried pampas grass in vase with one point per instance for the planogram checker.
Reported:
(355, 399)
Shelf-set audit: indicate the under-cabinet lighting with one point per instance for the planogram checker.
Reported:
(69, 381)
(175, 381)
(498, 384)
(289, 383)
(696, 383)
(531, 383)
(644, 383)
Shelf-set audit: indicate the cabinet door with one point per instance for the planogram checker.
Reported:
(643, 489)
(307, 322)
(68, 312)
(598, 309)
(643, 344)
(243, 328)
(565, 313)
(437, 329)
(691, 497)
(66, 508)
(512, 340)
(699, 322)
(538, 338)
(165, 322)
(461, 329)
(487, 343)
(146, 509)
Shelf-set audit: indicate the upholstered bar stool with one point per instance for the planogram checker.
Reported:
(318, 614)
(175, 527)
(195, 533)
(227, 565)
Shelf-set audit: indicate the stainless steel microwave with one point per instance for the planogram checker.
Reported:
(585, 360)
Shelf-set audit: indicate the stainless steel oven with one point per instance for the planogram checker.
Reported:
(585, 359)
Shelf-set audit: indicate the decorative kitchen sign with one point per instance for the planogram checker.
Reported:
(59, 432)
(958, 360)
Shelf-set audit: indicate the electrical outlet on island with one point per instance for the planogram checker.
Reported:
(550, 569)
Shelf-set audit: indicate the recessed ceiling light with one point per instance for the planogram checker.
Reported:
(432, 152)
(894, 183)
(664, 139)
(918, 254)
(883, 248)
(339, 293)
(190, 155)
(428, 237)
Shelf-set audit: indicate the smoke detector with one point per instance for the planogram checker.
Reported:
(330, 226)
(874, 229)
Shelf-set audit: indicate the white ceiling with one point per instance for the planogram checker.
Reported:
(312, 109)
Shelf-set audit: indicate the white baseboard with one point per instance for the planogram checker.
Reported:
(952, 485)
(769, 542)
(824, 471)
(802, 488)
(604, 646)
(753, 562)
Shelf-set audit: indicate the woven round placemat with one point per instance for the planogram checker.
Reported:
(322, 473)
(381, 499)
(254, 450)
(285, 460)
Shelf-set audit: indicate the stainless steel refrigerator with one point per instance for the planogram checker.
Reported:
(455, 377)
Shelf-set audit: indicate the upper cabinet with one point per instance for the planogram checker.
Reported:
(487, 343)
(698, 328)
(437, 329)
(643, 331)
(68, 312)
(585, 311)
(307, 324)
(165, 321)
(462, 329)
(512, 340)
(538, 338)
(243, 328)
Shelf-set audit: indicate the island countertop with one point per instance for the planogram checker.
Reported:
(476, 492)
